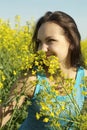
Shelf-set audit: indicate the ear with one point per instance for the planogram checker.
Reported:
(71, 47)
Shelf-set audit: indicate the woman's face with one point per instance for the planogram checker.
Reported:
(51, 39)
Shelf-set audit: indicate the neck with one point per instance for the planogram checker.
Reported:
(69, 71)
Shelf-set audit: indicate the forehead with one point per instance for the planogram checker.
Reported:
(49, 29)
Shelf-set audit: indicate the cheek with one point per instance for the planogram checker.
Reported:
(53, 49)
(61, 53)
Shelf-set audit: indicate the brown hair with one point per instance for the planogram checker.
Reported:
(70, 31)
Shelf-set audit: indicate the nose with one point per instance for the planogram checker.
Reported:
(43, 47)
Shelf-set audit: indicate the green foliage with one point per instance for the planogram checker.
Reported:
(15, 58)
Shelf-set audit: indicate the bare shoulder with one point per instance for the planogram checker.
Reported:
(85, 72)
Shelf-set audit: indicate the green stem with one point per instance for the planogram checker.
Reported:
(72, 100)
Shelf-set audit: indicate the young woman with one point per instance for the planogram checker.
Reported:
(57, 34)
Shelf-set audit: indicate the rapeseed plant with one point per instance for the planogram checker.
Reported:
(16, 58)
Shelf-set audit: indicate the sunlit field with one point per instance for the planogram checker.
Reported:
(16, 57)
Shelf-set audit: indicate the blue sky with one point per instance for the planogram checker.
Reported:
(36, 8)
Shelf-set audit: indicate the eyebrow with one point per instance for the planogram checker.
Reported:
(47, 38)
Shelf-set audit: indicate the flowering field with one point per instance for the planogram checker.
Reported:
(16, 57)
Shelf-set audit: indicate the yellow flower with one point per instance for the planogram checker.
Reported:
(0, 101)
(14, 72)
(3, 77)
(84, 93)
(52, 114)
(44, 107)
(45, 119)
(57, 125)
(37, 116)
(36, 63)
(33, 72)
(51, 78)
(25, 74)
(17, 18)
(63, 107)
(1, 85)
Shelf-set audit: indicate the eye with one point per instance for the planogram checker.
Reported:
(51, 40)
